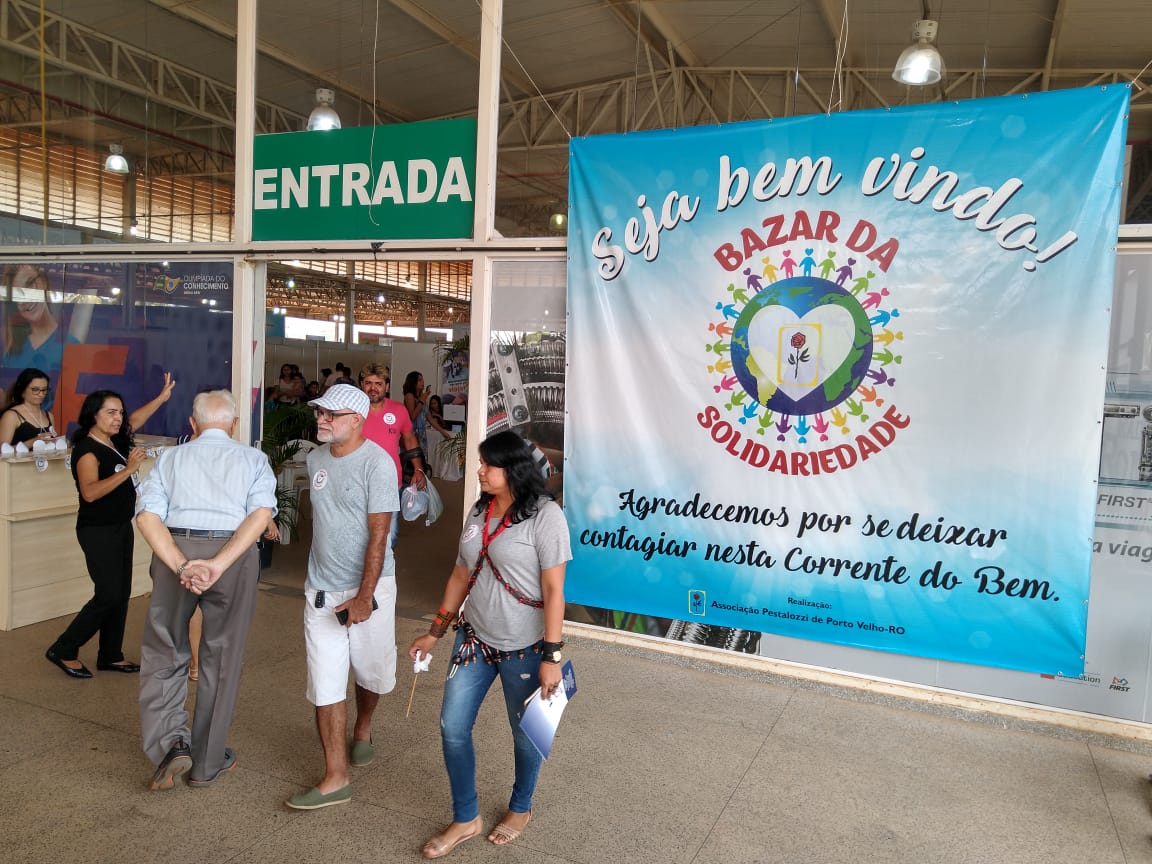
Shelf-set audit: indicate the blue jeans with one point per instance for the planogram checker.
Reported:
(463, 693)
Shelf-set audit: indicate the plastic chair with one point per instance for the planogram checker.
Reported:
(306, 447)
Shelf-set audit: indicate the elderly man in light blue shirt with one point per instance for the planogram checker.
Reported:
(201, 509)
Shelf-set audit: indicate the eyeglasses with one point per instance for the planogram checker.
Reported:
(40, 391)
(328, 416)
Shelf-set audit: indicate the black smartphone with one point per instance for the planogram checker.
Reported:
(342, 615)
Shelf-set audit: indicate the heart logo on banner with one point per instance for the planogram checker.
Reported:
(801, 346)
(829, 332)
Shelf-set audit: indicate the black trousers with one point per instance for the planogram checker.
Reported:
(108, 553)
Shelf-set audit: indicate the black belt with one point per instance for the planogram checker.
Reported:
(197, 532)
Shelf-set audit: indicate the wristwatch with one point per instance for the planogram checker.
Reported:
(550, 652)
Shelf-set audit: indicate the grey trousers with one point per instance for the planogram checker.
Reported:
(165, 655)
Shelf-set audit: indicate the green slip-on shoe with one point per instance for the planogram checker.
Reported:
(363, 752)
(314, 799)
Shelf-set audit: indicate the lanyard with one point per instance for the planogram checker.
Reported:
(484, 556)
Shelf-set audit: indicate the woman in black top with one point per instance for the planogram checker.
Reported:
(104, 462)
(25, 420)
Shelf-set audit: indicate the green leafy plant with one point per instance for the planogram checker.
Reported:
(284, 428)
(444, 350)
(455, 447)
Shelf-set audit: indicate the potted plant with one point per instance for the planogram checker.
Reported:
(284, 428)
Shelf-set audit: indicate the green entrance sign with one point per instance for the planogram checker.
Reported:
(405, 181)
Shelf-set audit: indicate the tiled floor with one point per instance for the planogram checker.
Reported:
(656, 761)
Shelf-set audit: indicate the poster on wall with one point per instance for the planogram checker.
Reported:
(112, 326)
(455, 376)
(841, 377)
(526, 395)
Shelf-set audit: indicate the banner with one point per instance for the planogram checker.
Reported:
(841, 377)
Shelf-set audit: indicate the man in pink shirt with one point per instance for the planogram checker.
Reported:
(389, 425)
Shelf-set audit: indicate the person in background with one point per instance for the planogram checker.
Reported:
(389, 426)
(25, 419)
(332, 378)
(104, 464)
(312, 390)
(415, 399)
(288, 390)
(510, 566)
(195, 630)
(444, 465)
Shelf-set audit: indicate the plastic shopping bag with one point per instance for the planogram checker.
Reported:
(413, 503)
(435, 504)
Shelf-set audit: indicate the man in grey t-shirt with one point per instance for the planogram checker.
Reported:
(350, 609)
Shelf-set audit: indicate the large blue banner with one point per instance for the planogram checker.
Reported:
(841, 377)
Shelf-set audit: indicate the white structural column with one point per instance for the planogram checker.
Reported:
(488, 119)
(488, 127)
(248, 279)
(349, 305)
(422, 302)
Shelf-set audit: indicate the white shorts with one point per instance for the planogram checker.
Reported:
(367, 648)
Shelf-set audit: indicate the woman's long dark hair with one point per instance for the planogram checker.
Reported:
(93, 402)
(509, 451)
(410, 384)
(22, 381)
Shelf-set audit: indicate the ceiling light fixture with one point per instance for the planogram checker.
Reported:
(116, 163)
(291, 283)
(920, 64)
(558, 221)
(324, 116)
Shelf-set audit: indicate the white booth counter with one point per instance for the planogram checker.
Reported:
(42, 569)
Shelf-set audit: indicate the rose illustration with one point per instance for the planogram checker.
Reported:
(800, 355)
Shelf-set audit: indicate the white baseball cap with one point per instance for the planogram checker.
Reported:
(343, 397)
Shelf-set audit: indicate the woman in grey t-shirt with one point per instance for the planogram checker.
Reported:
(510, 566)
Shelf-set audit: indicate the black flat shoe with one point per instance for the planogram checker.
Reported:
(118, 667)
(82, 672)
(177, 761)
